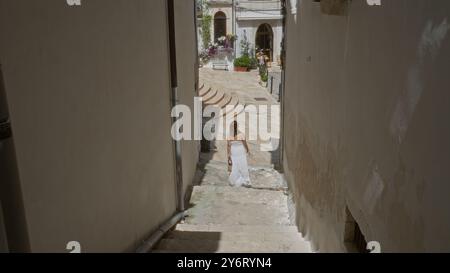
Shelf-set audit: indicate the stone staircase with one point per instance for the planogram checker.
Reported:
(224, 219)
(233, 239)
(214, 97)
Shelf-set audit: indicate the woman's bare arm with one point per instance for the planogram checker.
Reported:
(246, 145)
(228, 150)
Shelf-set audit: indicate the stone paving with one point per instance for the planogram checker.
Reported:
(221, 218)
(243, 84)
(249, 92)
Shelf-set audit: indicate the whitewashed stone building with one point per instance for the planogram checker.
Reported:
(257, 21)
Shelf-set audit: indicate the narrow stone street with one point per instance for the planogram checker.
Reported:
(222, 218)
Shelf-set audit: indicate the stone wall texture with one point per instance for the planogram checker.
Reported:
(366, 123)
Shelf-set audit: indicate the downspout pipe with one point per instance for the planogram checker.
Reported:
(233, 22)
(151, 242)
(174, 102)
(197, 59)
(283, 85)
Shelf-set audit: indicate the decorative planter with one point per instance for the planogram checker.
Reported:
(240, 69)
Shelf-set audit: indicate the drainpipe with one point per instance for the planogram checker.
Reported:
(151, 242)
(233, 10)
(174, 102)
(197, 61)
(283, 85)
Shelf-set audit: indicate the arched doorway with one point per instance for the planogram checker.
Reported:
(220, 25)
(264, 40)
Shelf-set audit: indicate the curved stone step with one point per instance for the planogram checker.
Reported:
(234, 102)
(224, 102)
(205, 90)
(229, 112)
(211, 94)
(215, 99)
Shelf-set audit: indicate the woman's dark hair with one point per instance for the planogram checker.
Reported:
(235, 129)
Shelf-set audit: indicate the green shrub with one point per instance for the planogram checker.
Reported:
(253, 63)
(243, 61)
(206, 30)
(264, 78)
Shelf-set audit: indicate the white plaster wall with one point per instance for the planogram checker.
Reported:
(251, 27)
(186, 67)
(366, 123)
(89, 96)
(278, 38)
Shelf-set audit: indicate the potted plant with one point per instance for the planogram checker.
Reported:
(242, 64)
(253, 63)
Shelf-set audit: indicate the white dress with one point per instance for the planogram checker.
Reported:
(239, 172)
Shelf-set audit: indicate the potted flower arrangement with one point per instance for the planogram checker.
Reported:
(225, 43)
(242, 64)
(222, 41)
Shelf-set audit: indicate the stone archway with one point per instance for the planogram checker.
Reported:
(220, 25)
(264, 40)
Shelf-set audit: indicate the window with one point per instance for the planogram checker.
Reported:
(220, 25)
(264, 40)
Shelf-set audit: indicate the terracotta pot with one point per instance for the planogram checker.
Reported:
(240, 69)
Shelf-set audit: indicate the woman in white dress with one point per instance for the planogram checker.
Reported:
(237, 150)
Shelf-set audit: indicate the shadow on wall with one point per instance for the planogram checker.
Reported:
(275, 158)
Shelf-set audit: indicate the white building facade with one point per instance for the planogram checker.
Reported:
(259, 22)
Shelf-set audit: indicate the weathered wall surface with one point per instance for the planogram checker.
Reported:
(366, 123)
(89, 96)
(187, 67)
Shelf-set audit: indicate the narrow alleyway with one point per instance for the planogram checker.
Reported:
(100, 120)
(221, 218)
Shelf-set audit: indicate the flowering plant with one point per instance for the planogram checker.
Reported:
(212, 49)
(232, 38)
(222, 40)
(227, 41)
(224, 44)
